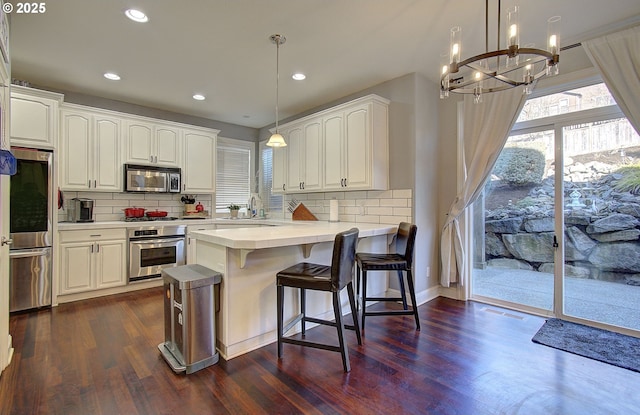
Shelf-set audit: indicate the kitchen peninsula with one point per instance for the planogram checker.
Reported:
(249, 259)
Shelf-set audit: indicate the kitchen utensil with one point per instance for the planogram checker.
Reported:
(134, 212)
(156, 213)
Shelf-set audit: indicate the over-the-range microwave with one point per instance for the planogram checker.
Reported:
(151, 179)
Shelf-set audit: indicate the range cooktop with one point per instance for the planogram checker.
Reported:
(150, 219)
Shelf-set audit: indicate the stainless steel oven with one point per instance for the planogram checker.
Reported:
(152, 248)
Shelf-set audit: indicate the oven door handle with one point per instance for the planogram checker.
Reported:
(156, 241)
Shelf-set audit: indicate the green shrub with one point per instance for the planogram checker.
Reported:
(630, 181)
(520, 166)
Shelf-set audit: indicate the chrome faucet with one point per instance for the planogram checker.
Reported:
(252, 206)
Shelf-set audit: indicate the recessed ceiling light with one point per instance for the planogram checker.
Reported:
(136, 15)
(112, 76)
(199, 97)
(298, 76)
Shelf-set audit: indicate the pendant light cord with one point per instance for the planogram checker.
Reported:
(277, 78)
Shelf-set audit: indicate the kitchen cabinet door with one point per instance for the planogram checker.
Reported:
(76, 267)
(304, 146)
(107, 167)
(167, 145)
(139, 142)
(333, 128)
(295, 158)
(199, 165)
(34, 117)
(110, 263)
(357, 158)
(279, 165)
(313, 157)
(75, 150)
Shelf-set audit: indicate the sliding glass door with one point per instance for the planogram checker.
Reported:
(557, 229)
(514, 224)
(601, 223)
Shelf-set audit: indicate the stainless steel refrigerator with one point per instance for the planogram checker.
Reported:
(31, 210)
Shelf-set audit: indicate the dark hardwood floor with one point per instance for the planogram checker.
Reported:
(100, 357)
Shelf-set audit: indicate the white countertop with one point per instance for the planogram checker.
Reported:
(289, 233)
(65, 226)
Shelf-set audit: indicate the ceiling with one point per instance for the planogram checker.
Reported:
(221, 48)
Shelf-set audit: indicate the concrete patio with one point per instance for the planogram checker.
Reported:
(608, 302)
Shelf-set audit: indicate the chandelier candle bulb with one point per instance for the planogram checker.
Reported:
(456, 33)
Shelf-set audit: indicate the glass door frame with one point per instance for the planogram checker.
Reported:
(555, 124)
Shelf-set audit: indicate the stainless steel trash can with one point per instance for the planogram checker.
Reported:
(189, 317)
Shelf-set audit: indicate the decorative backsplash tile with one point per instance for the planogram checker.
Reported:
(369, 206)
(109, 206)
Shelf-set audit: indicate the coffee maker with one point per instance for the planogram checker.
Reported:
(80, 210)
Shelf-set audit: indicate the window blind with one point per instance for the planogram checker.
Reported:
(233, 175)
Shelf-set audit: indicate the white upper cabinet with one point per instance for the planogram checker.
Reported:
(342, 148)
(199, 165)
(90, 147)
(304, 144)
(34, 117)
(149, 143)
(279, 164)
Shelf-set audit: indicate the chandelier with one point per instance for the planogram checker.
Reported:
(500, 69)
(276, 139)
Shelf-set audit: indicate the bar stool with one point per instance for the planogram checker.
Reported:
(399, 261)
(333, 278)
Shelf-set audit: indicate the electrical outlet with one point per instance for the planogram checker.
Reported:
(361, 208)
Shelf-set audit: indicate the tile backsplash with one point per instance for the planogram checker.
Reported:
(109, 206)
(369, 206)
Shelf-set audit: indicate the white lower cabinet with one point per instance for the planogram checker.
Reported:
(92, 260)
(191, 243)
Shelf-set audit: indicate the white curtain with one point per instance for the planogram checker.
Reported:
(486, 128)
(617, 57)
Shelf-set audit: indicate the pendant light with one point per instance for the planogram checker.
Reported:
(276, 139)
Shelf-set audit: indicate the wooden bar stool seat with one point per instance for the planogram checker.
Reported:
(330, 278)
(400, 261)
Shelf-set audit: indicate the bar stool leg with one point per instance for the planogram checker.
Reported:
(364, 296)
(358, 298)
(412, 293)
(354, 311)
(303, 310)
(280, 305)
(337, 310)
(402, 292)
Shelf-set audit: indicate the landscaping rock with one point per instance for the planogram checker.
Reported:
(494, 246)
(510, 225)
(611, 223)
(539, 225)
(626, 235)
(580, 240)
(617, 256)
(531, 247)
